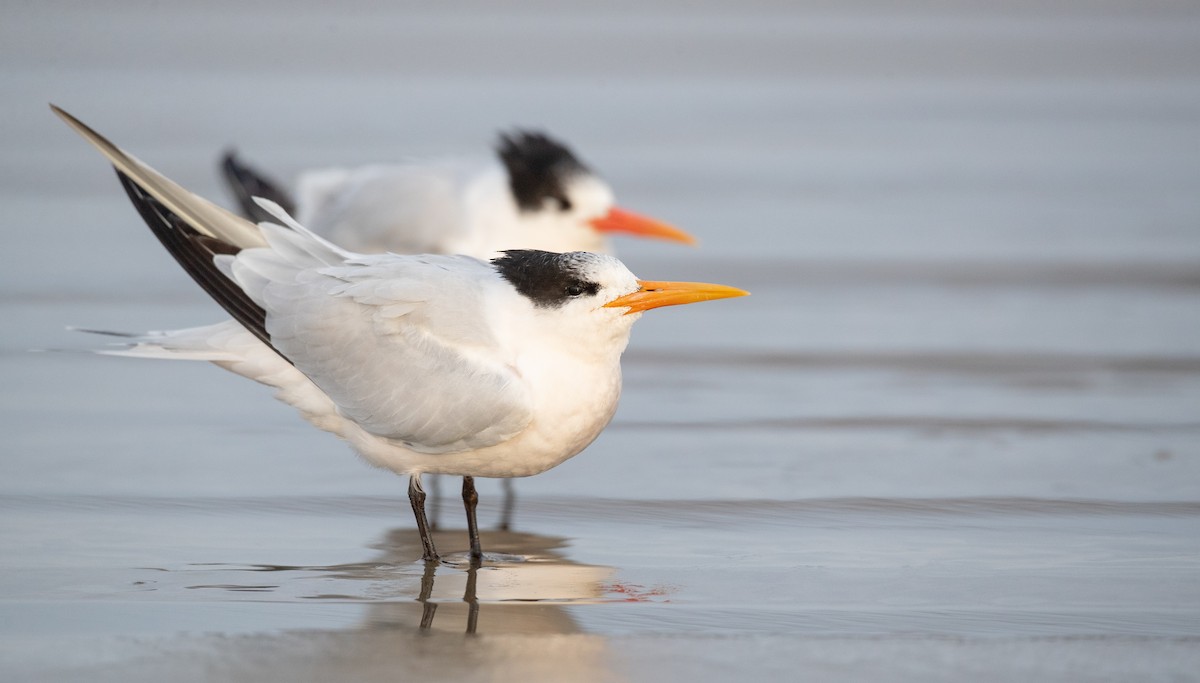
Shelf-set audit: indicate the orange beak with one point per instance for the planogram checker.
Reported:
(656, 294)
(620, 220)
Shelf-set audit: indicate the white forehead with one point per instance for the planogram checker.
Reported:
(606, 271)
(589, 193)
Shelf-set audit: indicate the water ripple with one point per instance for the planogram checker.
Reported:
(922, 423)
(1011, 362)
(614, 508)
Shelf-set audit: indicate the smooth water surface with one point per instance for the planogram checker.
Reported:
(953, 435)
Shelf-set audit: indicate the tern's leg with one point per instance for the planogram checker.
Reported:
(471, 600)
(510, 503)
(435, 500)
(470, 500)
(416, 496)
(428, 607)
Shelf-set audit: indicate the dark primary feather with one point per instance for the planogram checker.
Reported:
(247, 183)
(547, 279)
(538, 168)
(195, 251)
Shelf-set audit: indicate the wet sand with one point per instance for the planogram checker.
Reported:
(954, 434)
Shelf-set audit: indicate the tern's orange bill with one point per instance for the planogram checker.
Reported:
(655, 294)
(620, 220)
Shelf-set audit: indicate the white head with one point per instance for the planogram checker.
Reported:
(563, 204)
(593, 299)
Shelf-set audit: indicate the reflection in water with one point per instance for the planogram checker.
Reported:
(522, 588)
(516, 608)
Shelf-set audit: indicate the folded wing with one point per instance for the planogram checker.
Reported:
(402, 345)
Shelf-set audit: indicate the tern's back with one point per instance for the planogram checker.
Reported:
(428, 208)
(406, 347)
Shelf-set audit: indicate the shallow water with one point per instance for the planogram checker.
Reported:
(953, 434)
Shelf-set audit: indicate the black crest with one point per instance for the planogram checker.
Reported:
(538, 168)
(547, 279)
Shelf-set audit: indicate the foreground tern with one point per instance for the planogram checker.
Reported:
(424, 364)
(535, 194)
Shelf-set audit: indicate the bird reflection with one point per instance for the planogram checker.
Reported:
(516, 609)
(523, 587)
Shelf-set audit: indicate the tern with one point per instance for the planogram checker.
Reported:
(535, 194)
(422, 363)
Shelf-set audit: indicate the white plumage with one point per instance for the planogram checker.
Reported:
(423, 363)
(535, 194)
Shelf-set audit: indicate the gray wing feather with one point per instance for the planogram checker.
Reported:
(401, 344)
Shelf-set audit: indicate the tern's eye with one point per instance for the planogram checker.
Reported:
(564, 204)
(581, 288)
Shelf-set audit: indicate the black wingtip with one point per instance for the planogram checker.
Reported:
(246, 183)
(194, 251)
(62, 114)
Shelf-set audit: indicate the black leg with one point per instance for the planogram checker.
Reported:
(470, 500)
(428, 607)
(435, 500)
(471, 600)
(510, 503)
(416, 496)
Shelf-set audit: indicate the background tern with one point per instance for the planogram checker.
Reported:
(536, 194)
(423, 363)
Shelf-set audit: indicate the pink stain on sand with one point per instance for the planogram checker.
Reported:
(632, 592)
